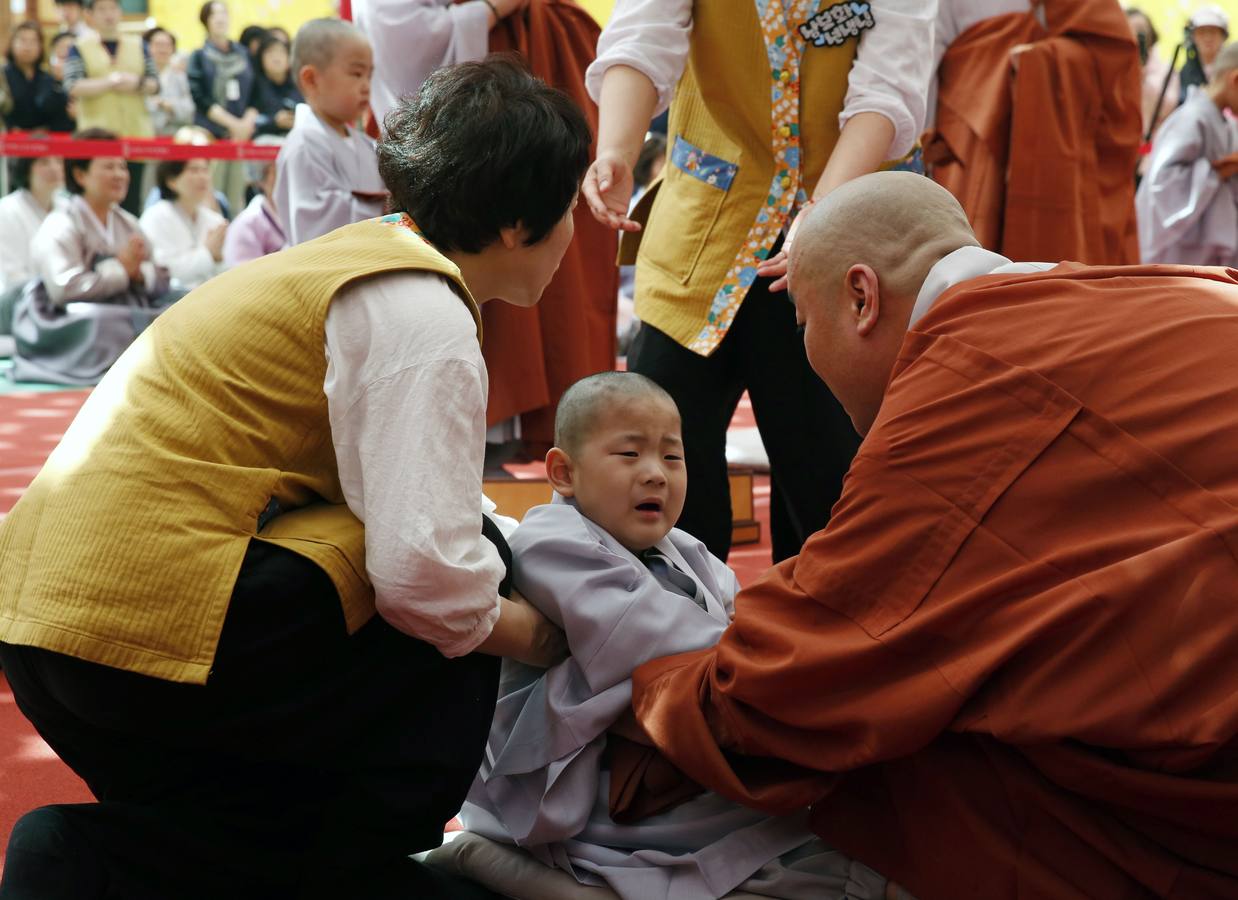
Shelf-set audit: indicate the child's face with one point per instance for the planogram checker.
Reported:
(1229, 94)
(628, 475)
(341, 89)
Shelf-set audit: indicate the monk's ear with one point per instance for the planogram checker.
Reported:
(864, 298)
(559, 472)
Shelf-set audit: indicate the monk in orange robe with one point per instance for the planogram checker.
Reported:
(1038, 131)
(1009, 665)
(534, 355)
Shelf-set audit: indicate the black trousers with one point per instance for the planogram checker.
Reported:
(809, 438)
(310, 764)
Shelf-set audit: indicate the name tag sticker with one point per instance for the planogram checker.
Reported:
(835, 25)
(233, 90)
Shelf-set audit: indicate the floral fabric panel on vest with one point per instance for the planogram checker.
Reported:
(404, 220)
(784, 46)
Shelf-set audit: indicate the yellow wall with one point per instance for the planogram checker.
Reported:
(599, 8)
(1170, 17)
(181, 16)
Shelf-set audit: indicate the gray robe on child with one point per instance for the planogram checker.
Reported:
(1187, 214)
(325, 180)
(82, 312)
(543, 784)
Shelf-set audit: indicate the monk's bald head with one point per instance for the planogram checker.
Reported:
(899, 223)
(587, 402)
(857, 263)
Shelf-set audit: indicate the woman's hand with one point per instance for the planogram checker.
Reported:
(241, 129)
(214, 241)
(547, 644)
(522, 633)
(131, 256)
(607, 189)
(776, 266)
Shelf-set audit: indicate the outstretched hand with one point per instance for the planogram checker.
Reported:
(607, 190)
(776, 266)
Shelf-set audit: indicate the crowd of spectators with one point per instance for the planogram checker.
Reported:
(232, 88)
(93, 70)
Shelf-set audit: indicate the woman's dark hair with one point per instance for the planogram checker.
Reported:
(268, 42)
(484, 146)
(1153, 35)
(72, 166)
(28, 25)
(19, 172)
(165, 172)
(158, 29)
(205, 12)
(250, 34)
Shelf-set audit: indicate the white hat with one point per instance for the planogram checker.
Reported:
(1210, 15)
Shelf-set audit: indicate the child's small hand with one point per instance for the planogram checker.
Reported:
(1226, 166)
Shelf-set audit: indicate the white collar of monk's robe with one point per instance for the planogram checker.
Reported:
(963, 264)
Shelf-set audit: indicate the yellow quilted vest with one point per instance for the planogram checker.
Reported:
(125, 549)
(122, 112)
(699, 216)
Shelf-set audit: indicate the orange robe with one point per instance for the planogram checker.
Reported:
(533, 355)
(1009, 665)
(1043, 160)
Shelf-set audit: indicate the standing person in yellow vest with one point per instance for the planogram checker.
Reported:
(110, 75)
(189, 588)
(775, 103)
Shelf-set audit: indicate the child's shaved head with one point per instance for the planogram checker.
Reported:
(1226, 61)
(584, 402)
(619, 457)
(317, 41)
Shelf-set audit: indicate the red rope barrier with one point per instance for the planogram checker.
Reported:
(19, 144)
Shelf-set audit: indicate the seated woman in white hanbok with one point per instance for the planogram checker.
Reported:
(186, 235)
(35, 183)
(97, 286)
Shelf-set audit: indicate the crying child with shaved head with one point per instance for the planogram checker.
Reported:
(569, 778)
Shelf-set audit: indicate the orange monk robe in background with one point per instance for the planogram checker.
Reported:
(1042, 159)
(1009, 665)
(533, 355)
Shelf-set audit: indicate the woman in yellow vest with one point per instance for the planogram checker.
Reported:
(775, 102)
(188, 593)
(110, 75)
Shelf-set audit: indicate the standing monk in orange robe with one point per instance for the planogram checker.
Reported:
(534, 355)
(1038, 127)
(1009, 665)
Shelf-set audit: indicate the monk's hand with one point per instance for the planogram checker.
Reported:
(607, 190)
(776, 266)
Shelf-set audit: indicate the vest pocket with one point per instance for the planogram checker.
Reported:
(685, 210)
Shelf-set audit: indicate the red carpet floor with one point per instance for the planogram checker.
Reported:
(30, 425)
